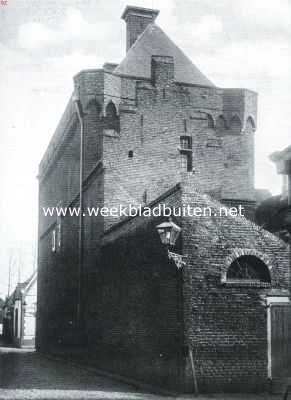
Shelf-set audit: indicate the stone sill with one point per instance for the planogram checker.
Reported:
(246, 283)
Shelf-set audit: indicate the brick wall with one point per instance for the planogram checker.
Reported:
(223, 161)
(137, 328)
(226, 326)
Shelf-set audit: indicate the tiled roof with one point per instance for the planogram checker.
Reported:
(154, 41)
(281, 155)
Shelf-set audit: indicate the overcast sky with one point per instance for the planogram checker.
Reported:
(43, 43)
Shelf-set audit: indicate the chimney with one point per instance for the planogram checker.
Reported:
(137, 19)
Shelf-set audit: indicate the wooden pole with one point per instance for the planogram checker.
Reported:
(196, 391)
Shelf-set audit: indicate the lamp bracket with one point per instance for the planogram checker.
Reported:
(177, 258)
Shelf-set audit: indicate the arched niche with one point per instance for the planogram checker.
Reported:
(250, 124)
(221, 124)
(235, 125)
(210, 122)
(111, 117)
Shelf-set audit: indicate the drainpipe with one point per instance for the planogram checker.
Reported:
(78, 105)
(289, 227)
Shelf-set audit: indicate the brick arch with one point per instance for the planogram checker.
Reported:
(239, 252)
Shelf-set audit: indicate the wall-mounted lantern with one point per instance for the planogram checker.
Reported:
(169, 233)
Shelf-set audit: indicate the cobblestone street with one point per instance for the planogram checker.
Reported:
(25, 374)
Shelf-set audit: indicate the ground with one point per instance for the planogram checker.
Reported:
(25, 374)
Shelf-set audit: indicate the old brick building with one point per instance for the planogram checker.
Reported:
(157, 131)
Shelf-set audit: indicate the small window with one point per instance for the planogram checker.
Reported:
(248, 269)
(53, 241)
(185, 125)
(186, 143)
(164, 93)
(186, 162)
(141, 120)
(130, 154)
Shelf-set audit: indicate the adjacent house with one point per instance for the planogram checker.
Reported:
(207, 311)
(274, 211)
(19, 314)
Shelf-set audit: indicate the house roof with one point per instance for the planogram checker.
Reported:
(153, 41)
(282, 160)
(284, 155)
(21, 289)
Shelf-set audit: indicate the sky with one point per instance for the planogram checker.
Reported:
(44, 43)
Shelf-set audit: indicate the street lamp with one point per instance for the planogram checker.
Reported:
(169, 233)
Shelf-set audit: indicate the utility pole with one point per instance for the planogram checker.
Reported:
(9, 276)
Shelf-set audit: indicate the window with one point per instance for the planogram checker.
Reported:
(130, 154)
(248, 269)
(53, 241)
(185, 125)
(186, 143)
(186, 162)
(186, 153)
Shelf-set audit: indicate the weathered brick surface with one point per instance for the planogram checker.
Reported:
(138, 312)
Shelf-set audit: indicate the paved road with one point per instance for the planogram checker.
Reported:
(26, 375)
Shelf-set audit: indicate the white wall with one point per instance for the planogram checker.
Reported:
(30, 310)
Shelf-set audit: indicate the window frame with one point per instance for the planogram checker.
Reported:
(256, 263)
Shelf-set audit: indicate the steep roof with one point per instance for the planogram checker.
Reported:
(23, 287)
(153, 41)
